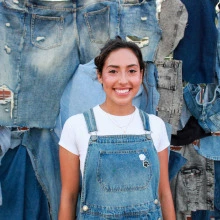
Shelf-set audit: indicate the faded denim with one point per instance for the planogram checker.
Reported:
(193, 187)
(77, 30)
(150, 96)
(171, 92)
(101, 20)
(198, 47)
(43, 149)
(136, 198)
(33, 72)
(83, 92)
(172, 20)
(204, 105)
(209, 147)
(23, 197)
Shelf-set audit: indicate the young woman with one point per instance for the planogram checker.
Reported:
(114, 157)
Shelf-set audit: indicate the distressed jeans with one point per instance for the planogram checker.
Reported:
(172, 20)
(77, 31)
(42, 147)
(171, 92)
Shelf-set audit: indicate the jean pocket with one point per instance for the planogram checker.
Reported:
(46, 31)
(98, 25)
(215, 118)
(193, 178)
(124, 170)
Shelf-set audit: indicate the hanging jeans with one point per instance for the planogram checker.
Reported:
(204, 105)
(43, 42)
(193, 187)
(42, 147)
(150, 96)
(22, 196)
(170, 90)
(37, 60)
(172, 20)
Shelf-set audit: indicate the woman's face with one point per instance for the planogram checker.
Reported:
(121, 77)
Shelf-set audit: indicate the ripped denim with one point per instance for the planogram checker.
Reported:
(172, 20)
(33, 41)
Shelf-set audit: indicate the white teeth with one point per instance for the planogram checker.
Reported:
(122, 91)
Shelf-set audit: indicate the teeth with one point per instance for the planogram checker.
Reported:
(122, 90)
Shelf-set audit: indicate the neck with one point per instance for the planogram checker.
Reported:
(119, 110)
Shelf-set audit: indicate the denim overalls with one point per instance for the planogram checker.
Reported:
(121, 176)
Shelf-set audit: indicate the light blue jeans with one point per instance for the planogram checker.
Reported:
(43, 42)
(37, 59)
(207, 112)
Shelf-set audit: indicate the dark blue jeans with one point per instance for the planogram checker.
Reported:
(200, 41)
(22, 196)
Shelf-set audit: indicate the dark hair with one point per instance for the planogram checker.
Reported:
(116, 44)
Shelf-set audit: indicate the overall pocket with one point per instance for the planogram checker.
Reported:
(124, 170)
(46, 31)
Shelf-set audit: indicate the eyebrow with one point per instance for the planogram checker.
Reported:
(115, 66)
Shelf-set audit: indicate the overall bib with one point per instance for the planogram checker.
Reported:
(121, 176)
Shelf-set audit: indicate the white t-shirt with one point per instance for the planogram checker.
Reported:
(75, 136)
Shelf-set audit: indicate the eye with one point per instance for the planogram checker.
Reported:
(132, 71)
(112, 71)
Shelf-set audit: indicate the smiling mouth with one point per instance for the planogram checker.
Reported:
(122, 91)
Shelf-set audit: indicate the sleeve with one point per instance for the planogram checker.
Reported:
(163, 140)
(67, 139)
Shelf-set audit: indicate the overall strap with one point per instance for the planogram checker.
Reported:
(145, 119)
(90, 120)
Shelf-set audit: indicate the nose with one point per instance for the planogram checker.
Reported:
(123, 78)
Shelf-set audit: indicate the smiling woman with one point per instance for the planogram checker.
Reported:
(119, 152)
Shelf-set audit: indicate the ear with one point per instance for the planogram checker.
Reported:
(99, 76)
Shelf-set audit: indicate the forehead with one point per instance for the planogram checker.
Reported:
(121, 57)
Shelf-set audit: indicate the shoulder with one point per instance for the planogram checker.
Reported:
(155, 119)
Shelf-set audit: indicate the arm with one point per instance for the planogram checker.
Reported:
(164, 187)
(70, 174)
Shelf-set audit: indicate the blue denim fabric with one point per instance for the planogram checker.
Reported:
(83, 92)
(209, 147)
(43, 149)
(185, 115)
(176, 162)
(37, 33)
(38, 60)
(101, 20)
(208, 112)
(218, 48)
(150, 95)
(8, 140)
(108, 169)
(200, 41)
(23, 197)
